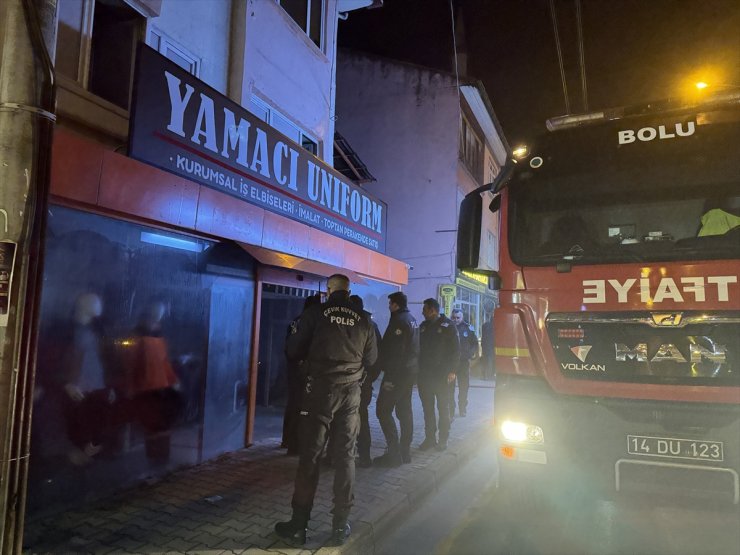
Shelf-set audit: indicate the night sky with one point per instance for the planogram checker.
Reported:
(635, 50)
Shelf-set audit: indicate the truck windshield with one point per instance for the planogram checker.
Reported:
(593, 200)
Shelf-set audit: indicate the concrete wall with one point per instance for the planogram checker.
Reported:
(202, 27)
(402, 120)
(296, 77)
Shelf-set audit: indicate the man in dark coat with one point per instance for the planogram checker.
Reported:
(468, 352)
(296, 381)
(398, 359)
(336, 342)
(439, 353)
(364, 439)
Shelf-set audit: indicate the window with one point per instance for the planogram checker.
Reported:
(96, 42)
(470, 303)
(471, 149)
(491, 249)
(282, 124)
(492, 170)
(113, 287)
(169, 48)
(308, 14)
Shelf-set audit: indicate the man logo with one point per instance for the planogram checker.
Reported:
(667, 319)
(581, 351)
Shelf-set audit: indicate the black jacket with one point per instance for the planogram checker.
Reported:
(439, 348)
(373, 371)
(335, 340)
(468, 343)
(399, 350)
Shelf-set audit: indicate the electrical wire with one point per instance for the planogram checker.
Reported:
(582, 57)
(554, 18)
(454, 49)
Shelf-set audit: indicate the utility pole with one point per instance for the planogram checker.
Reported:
(27, 106)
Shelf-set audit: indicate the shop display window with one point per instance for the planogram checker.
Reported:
(143, 356)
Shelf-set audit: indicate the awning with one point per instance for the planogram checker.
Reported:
(290, 262)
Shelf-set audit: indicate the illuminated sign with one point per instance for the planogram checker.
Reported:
(180, 124)
(475, 277)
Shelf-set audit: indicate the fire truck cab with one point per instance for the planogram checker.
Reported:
(617, 339)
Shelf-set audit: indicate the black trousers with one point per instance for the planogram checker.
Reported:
(397, 397)
(291, 418)
(463, 385)
(431, 389)
(364, 439)
(334, 407)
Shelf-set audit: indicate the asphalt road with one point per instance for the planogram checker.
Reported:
(468, 515)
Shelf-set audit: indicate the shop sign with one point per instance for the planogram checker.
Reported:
(447, 296)
(471, 280)
(180, 124)
(480, 278)
(7, 263)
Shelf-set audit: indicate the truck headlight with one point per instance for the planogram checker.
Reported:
(521, 432)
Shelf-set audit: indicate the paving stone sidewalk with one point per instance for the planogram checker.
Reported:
(230, 505)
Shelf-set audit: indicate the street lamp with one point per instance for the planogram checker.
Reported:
(520, 152)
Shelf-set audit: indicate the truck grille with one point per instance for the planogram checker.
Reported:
(667, 348)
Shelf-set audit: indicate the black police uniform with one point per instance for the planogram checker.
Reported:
(468, 351)
(364, 439)
(439, 353)
(295, 379)
(335, 341)
(399, 353)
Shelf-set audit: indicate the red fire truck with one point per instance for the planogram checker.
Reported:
(617, 339)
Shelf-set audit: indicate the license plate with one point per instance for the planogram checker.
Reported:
(675, 448)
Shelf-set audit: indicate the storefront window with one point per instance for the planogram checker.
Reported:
(143, 356)
(470, 303)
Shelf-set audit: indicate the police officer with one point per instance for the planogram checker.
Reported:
(399, 352)
(439, 353)
(335, 341)
(468, 352)
(296, 382)
(364, 439)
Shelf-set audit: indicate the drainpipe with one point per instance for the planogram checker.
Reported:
(27, 105)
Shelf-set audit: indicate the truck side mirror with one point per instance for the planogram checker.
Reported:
(469, 230)
(494, 280)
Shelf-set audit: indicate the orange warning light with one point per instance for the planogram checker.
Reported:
(508, 451)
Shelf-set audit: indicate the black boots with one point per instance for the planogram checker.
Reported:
(391, 459)
(339, 534)
(406, 454)
(294, 530)
(364, 461)
(427, 444)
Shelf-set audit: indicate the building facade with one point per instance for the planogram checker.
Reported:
(193, 209)
(429, 143)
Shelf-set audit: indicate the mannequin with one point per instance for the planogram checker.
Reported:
(153, 384)
(89, 397)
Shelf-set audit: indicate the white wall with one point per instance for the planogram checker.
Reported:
(402, 120)
(203, 28)
(283, 67)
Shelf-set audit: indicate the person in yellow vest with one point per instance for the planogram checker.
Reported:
(717, 222)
